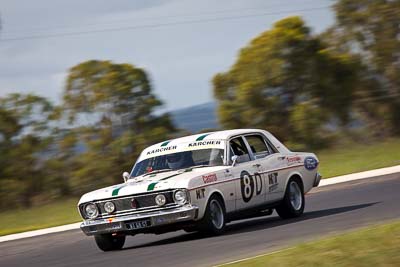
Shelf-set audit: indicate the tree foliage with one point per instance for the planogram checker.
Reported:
(110, 110)
(371, 29)
(24, 122)
(119, 100)
(283, 71)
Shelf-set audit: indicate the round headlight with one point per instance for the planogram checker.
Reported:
(160, 200)
(91, 211)
(180, 197)
(109, 207)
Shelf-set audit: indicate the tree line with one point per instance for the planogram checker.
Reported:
(308, 89)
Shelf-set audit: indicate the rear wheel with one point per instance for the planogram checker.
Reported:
(292, 205)
(108, 242)
(213, 221)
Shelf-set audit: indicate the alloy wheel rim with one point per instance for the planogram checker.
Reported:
(217, 216)
(295, 195)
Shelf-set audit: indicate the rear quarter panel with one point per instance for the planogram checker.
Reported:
(306, 172)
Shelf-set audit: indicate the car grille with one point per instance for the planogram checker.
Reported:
(142, 202)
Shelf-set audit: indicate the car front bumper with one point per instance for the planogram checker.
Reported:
(317, 179)
(155, 218)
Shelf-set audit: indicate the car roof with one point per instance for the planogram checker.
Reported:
(205, 140)
(217, 135)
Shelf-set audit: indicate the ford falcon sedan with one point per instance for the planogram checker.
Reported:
(200, 183)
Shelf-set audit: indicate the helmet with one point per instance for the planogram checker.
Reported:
(179, 160)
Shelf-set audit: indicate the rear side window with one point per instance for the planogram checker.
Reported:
(258, 146)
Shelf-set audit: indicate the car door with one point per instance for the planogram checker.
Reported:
(266, 159)
(249, 185)
(276, 171)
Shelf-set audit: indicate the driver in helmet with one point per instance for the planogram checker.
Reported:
(180, 160)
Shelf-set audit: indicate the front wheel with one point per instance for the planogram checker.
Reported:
(108, 242)
(213, 221)
(292, 205)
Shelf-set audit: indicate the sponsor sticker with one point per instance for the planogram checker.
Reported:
(293, 159)
(204, 143)
(167, 148)
(273, 181)
(200, 193)
(162, 149)
(310, 163)
(209, 178)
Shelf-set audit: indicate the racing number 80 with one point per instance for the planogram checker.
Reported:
(249, 184)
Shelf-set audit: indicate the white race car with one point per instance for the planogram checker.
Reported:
(200, 183)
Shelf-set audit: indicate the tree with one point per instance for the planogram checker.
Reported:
(116, 93)
(282, 71)
(24, 132)
(119, 102)
(371, 30)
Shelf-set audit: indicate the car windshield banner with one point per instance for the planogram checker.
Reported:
(170, 148)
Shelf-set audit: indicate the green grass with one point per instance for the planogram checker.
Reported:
(359, 157)
(335, 161)
(57, 213)
(373, 246)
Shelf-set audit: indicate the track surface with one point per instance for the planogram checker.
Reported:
(329, 209)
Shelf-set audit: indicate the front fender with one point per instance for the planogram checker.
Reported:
(200, 197)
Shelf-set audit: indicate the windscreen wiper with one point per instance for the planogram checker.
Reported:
(157, 171)
(199, 166)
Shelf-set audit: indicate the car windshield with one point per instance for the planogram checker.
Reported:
(180, 160)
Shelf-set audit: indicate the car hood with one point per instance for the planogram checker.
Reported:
(152, 182)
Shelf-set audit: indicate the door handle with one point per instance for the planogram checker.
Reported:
(282, 158)
(257, 165)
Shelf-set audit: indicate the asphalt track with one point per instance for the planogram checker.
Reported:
(330, 209)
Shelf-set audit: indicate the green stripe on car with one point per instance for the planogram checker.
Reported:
(152, 185)
(116, 190)
(165, 143)
(201, 137)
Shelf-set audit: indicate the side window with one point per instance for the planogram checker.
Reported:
(271, 147)
(258, 146)
(238, 148)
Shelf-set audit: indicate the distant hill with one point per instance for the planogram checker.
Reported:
(196, 118)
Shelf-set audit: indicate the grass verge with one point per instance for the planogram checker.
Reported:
(373, 246)
(359, 157)
(58, 213)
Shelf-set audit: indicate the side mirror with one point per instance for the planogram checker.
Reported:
(126, 176)
(234, 160)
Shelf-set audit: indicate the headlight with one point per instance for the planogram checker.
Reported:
(160, 200)
(109, 207)
(91, 211)
(180, 197)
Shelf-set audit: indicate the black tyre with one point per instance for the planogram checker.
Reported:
(292, 205)
(213, 222)
(108, 242)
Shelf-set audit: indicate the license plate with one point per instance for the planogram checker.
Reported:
(138, 224)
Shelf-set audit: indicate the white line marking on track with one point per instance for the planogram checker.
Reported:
(254, 257)
(360, 175)
(56, 229)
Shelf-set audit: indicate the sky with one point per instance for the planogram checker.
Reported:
(181, 44)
